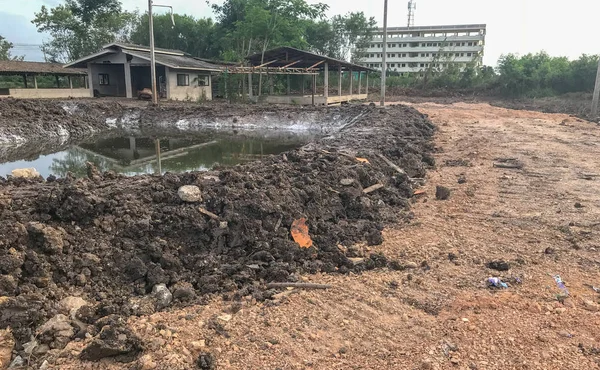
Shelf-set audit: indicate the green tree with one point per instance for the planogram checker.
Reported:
(81, 27)
(5, 53)
(192, 35)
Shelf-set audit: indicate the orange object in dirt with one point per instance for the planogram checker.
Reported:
(419, 192)
(362, 160)
(299, 232)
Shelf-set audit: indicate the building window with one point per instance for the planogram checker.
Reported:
(404, 55)
(183, 80)
(103, 79)
(202, 80)
(422, 65)
(393, 65)
(468, 54)
(403, 64)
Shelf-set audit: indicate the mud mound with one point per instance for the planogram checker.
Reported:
(112, 239)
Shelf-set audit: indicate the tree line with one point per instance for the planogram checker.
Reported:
(243, 27)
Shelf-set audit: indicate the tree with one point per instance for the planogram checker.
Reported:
(192, 35)
(81, 27)
(5, 47)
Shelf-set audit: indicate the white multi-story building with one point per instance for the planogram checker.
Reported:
(416, 49)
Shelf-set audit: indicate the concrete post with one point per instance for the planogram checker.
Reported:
(128, 92)
(35, 81)
(90, 80)
(359, 77)
(289, 89)
(596, 94)
(167, 82)
(326, 81)
(340, 81)
(351, 81)
(132, 145)
(367, 74)
(314, 88)
(70, 82)
(250, 85)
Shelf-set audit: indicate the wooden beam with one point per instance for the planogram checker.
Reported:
(291, 64)
(266, 64)
(316, 64)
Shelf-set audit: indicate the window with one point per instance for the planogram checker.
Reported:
(468, 54)
(404, 55)
(422, 64)
(462, 54)
(393, 65)
(403, 64)
(202, 80)
(103, 79)
(183, 80)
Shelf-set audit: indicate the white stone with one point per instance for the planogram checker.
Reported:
(28, 173)
(163, 295)
(190, 193)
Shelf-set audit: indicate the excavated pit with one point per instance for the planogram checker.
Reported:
(111, 239)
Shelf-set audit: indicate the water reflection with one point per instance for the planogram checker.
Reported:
(156, 153)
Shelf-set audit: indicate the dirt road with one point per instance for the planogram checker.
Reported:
(542, 220)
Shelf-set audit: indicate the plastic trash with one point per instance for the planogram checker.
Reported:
(561, 284)
(496, 282)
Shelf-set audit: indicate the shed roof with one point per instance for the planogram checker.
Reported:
(285, 55)
(166, 57)
(12, 67)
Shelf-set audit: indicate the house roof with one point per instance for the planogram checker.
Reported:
(282, 56)
(167, 57)
(12, 67)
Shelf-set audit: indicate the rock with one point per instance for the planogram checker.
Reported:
(225, 317)
(356, 260)
(27, 173)
(549, 250)
(45, 365)
(190, 193)
(499, 265)
(70, 305)
(56, 332)
(146, 363)
(8, 285)
(591, 305)
(564, 333)
(41, 350)
(560, 310)
(442, 192)
(45, 237)
(30, 346)
(206, 361)
(462, 179)
(7, 343)
(142, 305)
(162, 296)
(346, 182)
(113, 341)
(410, 265)
(17, 362)
(183, 291)
(198, 344)
(578, 205)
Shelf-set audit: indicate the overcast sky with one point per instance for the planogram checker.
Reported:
(567, 28)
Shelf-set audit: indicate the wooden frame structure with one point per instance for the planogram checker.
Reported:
(290, 61)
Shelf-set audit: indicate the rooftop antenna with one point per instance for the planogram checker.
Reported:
(411, 13)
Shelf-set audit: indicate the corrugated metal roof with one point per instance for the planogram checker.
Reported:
(285, 55)
(176, 61)
(8, 67)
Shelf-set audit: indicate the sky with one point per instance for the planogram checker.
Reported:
(561, 28)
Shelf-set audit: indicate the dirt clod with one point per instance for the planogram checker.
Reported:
(442, 192)
(190, 193)
(498, 265)
(206, 361)
(113, 341)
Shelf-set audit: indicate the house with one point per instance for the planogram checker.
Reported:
(34, 80)
(124, 69)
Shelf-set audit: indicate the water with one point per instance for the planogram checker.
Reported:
(154, 152)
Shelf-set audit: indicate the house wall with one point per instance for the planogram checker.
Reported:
(191, 92)
(49, 93)
(116, 79)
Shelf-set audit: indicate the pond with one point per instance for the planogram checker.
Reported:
(157, 152)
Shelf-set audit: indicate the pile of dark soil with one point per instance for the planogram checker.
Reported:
(111, 239)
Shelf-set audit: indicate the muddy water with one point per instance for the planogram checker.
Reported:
(156, 152)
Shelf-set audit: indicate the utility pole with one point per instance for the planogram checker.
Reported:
(596, 94)
(383, 64)
(152, 57)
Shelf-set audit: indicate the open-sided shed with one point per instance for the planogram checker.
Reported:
(290, 61)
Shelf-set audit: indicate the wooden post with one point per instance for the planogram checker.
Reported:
(25, 80)
(289, 89)
(326, 81)
(271, 90)
(243, 92)
(314, 88)
(596, 94)
(35, 81)
(351, 80)
(359, 77)
(340, 82)
(260, 84)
